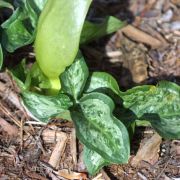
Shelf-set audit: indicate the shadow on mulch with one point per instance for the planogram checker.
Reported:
(172, 78)
(117, 8)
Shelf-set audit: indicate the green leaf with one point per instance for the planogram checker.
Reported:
(19, 30)
(20, 75)
(20, 70)
(99, 130)
(45, 107)
(27, 78)
(143, 123)
(37, 104)
(1, 57)
(160, 105)
(30, 79)
(93, 161)
(33, 9)
(37, 5)
(38, 79)
(100, 81)
(93, 31)
(106, 83)
(15, 34)
(19, 83)
(4, 4)
(74, 78)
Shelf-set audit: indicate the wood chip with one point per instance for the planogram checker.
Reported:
(73, 146)
(142, 37)
(148, 152)
(176, 2)
(113, 54)
(98, 177)
(34, 175)
(58, 151)
(10, 129)
(175, 147)
(52, 136)
(71, 175)
(11, 96)
(141, 176)
(104, 174)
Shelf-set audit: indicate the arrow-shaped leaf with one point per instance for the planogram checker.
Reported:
(99, 130)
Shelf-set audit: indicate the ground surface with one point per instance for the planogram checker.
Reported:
(143, 53)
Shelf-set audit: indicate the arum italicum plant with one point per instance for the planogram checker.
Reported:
(101, 113)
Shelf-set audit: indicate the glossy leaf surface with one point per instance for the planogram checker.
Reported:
(93, 31)
(38, 79)
(102, 80)
(74, 78)
(99, 130)
(15, 34)
(158, 104)
(93, 161)
(32, 78)
(46, 107)
(19, 29)
(4, 4)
